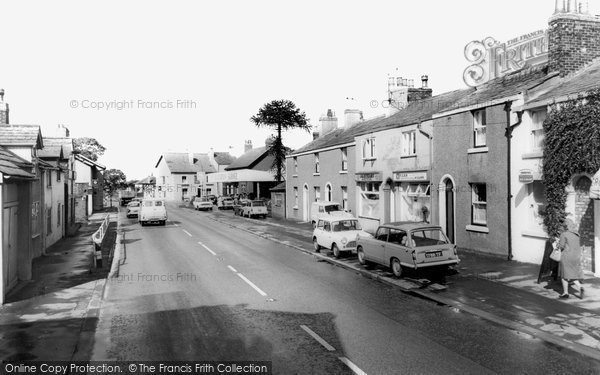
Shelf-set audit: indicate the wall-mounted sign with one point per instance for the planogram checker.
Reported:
(526, 176)
(368, 176)
(410, 176)
(490, 59)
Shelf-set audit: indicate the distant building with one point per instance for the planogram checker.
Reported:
(89, 187)
(181, 175)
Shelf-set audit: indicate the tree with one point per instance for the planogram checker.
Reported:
(114, 179)
(88, 147)
(280, 115)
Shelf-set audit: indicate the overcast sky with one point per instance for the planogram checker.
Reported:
(228, 59)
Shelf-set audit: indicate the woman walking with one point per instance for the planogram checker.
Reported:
(569, 268)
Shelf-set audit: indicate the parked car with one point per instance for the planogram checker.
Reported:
(239, 205)
(255, 208)
(225, 203)
(133, 208)
(213, 198)
(407, 245)
(202, 203)
(320, 208)
(337, 234)
(152, 211)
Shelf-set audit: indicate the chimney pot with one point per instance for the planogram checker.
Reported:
(2, 94)
(424, 79)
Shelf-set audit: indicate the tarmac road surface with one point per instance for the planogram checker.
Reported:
(197, 290)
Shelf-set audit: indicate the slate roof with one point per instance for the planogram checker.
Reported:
(178, 162)
(21, 135)
(66, 143)
(14, 166)
(51, 152)
(224, 158)
(279, 187)
(570, 86)
(415, 112)
(505, 86)
(249, 159)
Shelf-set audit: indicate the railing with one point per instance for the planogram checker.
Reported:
(97, 239)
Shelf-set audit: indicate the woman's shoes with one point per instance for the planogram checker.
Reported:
(563, 296)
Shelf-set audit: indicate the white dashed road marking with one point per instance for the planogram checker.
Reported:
(252, 285)
(318, 338)
(352, 366)
(207, 249)
(232, 269)
(186, 232)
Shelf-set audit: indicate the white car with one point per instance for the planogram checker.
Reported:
(255, 208)
(203, 204)
(333, 208)
(133, 208)
(152, 211)
(340, 234)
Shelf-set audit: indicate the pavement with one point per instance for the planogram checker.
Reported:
(490, 287)
(45, 316)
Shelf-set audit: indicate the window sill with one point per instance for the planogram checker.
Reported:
(343, 172)
(535, 233)
(295, 176)
(408, 156)
(533, 155)
(369, 159)
(477, 150)
(477, 228)
(295, 208)
(316, 174)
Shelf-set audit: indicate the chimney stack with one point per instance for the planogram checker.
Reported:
(401, 92)
(62, 131)
(3, 109)
(352, 117)
(424, 79)
(573, 37)
(328, 123)
(247, 146)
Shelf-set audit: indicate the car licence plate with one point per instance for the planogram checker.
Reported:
(433, 254)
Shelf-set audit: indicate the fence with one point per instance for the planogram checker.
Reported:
(97, 239)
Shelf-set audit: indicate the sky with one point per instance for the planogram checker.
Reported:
(146, 77)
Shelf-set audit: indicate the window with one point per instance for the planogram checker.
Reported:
(295, 165)
(537, 199)
(317, 193)
(382, 234)
(344, 159)
(369, 199)
(479, 125)
(58, 173)
(537, 128)
(398, 237)
(368, 148)
(327, 226)
(49, 220)
(409, 144)
(479, 204)
(317, 167)
(164, 179)
(328, 192)
(295, 196)
(49, 179)
(344, 197)
(184, 179)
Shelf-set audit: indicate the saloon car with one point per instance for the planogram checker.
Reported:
(133, 208)
(339, 234)
(225, 203)
(404, 245)
(255, 208)
(202, 203)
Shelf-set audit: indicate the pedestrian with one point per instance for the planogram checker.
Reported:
(548, 268)
(569, 268)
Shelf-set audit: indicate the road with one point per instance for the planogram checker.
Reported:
(197, 290)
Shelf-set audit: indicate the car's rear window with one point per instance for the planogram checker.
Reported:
(158, 203)
(258, 203)
(428, 237)
(147, 204)
(333, 207)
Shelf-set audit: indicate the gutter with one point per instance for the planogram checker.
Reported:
(509, 196)
(430, 137)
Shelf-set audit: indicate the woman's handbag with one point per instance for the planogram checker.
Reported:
(555, 255)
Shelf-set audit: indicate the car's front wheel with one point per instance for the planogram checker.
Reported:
(316, 245)
(396, 267)
(361, 255)
(336, 251)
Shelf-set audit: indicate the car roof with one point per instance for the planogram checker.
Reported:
(326, 217)
(328, 203)
(411, 225)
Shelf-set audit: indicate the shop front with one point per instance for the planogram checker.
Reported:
(370, 200)
(248, 182)
(411, 196)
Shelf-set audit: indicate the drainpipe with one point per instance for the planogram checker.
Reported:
(508, 135)
(430, 137)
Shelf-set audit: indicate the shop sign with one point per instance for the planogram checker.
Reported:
(368, 177)
(410, 176)
(491, 59)
(526, 176)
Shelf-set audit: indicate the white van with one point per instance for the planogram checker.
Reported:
(152, 211)
(320, 208)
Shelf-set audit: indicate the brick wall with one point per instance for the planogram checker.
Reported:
(415, 94)
(573, 42)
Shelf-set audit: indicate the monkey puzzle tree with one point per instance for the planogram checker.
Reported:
(280, 115)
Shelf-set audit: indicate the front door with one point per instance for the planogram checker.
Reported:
(450, 210)
(10, 253)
